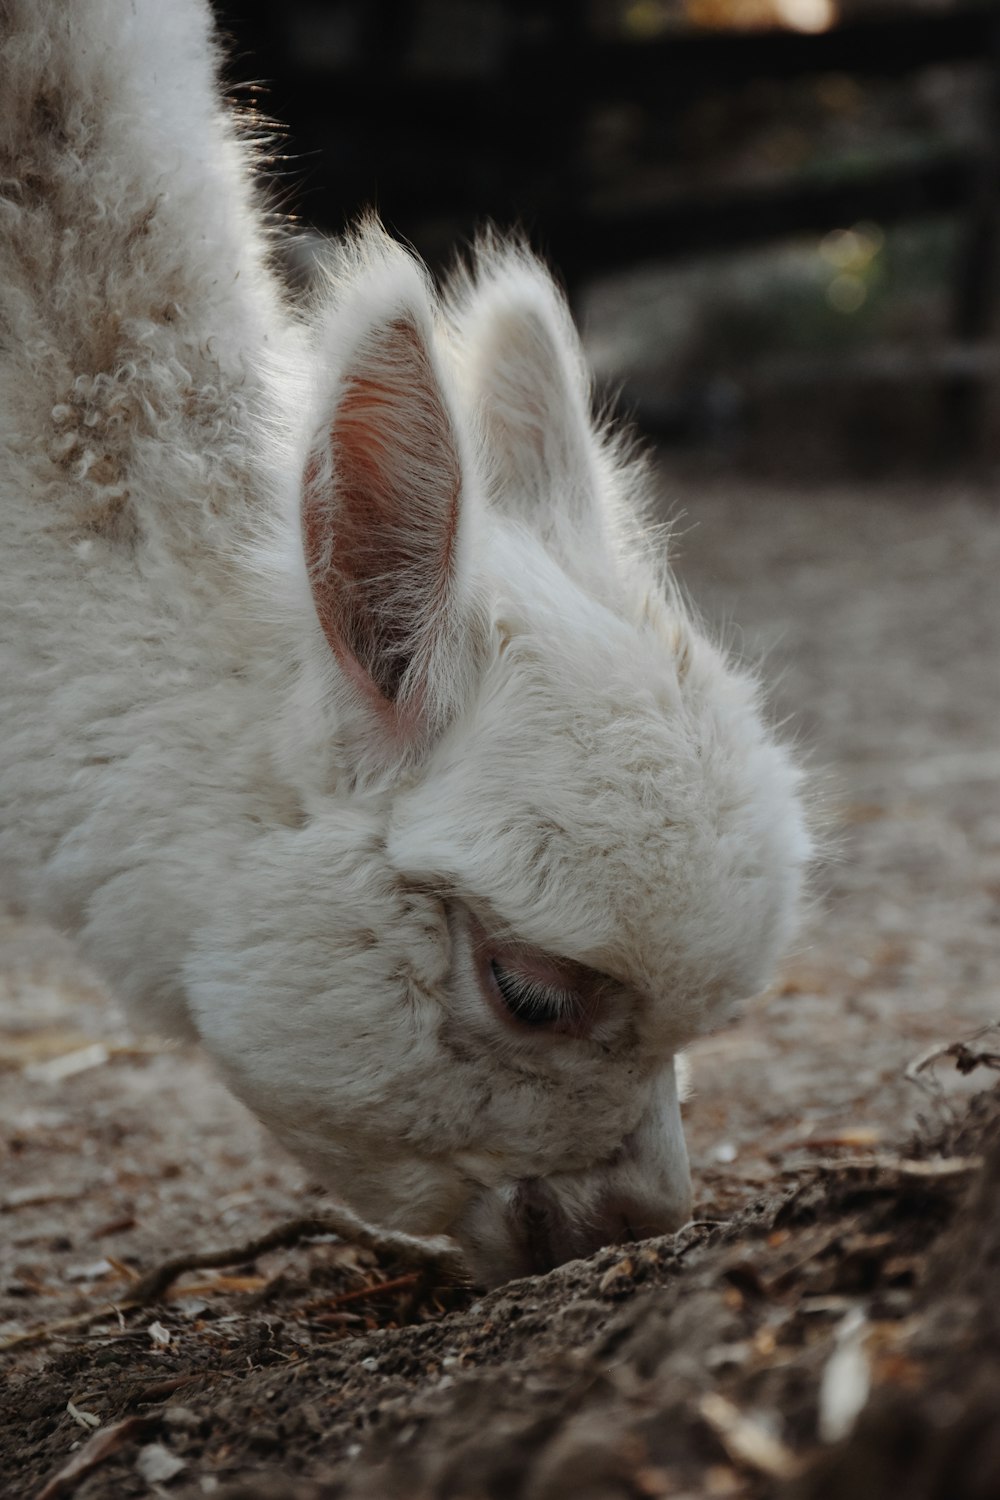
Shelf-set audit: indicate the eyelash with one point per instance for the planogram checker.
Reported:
(530, 1001)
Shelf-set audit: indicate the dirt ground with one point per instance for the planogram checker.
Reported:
(826, 1327)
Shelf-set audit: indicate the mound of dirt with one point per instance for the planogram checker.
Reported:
(840, 1339)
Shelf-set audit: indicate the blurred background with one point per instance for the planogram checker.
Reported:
(776, 219)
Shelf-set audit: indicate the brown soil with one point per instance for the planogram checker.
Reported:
(836, 1336)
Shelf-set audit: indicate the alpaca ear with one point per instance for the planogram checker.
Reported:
(384, 501)
(526, 371)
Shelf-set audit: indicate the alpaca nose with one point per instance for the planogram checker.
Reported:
(550, 1233)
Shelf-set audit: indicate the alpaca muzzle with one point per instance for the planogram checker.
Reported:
(534, 1224)
(548, 1232)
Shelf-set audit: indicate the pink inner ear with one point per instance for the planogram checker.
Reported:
(380, 514)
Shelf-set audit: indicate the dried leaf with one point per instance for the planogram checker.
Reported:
(117, 1225)
(941, 1166)
(846, 1381)
(935, 1166)
(23, 1049)
(38, 1193)
(161, 1389)
(94, 1270)
(652, 1483)
(746, 1441)
(852, 1137)
(157, 1465)
(69, 1064)
(217, 1284)
(619, 1271)
(123, 1270)
(722, 1481)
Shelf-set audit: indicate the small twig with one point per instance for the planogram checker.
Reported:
(362, 1293)
(151, 1395)
(933, 1166)
(967, 1057)
(440, 1254)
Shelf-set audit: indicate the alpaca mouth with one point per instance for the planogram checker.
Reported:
(541, 1228)
(549, 1236)
(545, 1234)
(531, 1227)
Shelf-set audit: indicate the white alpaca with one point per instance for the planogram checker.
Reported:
(347, 718)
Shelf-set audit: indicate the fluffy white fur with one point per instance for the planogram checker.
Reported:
(325, 640)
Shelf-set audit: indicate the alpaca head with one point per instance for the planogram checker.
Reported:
(544, 838)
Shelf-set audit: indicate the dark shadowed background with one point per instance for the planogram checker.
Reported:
(776, 218)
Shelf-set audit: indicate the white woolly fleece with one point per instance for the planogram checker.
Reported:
(337, 670)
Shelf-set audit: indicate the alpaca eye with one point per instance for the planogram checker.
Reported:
(529, 1000)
